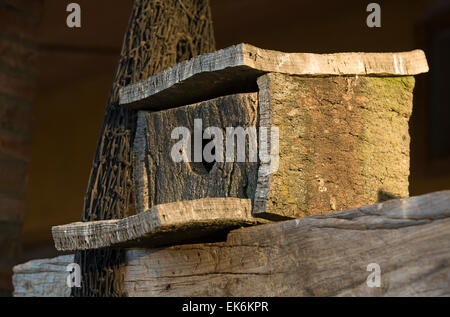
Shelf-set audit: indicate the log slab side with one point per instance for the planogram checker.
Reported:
(325, 255)
(343, 143)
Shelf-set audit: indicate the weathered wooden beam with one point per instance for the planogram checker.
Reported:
(164, 224)
(325, 255)
(236, 68)
(43, 278)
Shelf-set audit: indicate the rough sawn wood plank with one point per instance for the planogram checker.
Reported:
(236, 68)
(164, 224)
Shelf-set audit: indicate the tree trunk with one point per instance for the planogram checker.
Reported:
(160, 34)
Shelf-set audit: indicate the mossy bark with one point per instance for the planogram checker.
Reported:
(344, 141)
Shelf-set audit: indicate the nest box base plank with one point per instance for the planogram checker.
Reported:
(343, 143)
(236, 68)
(165, 224)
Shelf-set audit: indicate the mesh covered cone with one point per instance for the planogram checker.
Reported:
(160, 34)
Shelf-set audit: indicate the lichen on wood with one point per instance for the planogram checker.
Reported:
(344, 142)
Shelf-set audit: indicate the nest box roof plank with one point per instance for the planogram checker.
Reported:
(235, 69)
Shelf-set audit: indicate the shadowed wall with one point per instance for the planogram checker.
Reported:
(18, 22)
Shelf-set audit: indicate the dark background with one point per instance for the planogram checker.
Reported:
(75, 68)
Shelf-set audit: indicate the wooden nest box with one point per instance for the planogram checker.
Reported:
(334, 128)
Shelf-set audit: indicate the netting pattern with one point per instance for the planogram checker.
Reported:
(161, 33)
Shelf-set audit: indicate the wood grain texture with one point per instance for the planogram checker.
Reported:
(164, 224)
(343, 142)
(236, 68)
(160, 180)
(42, 278)
(325, 255)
